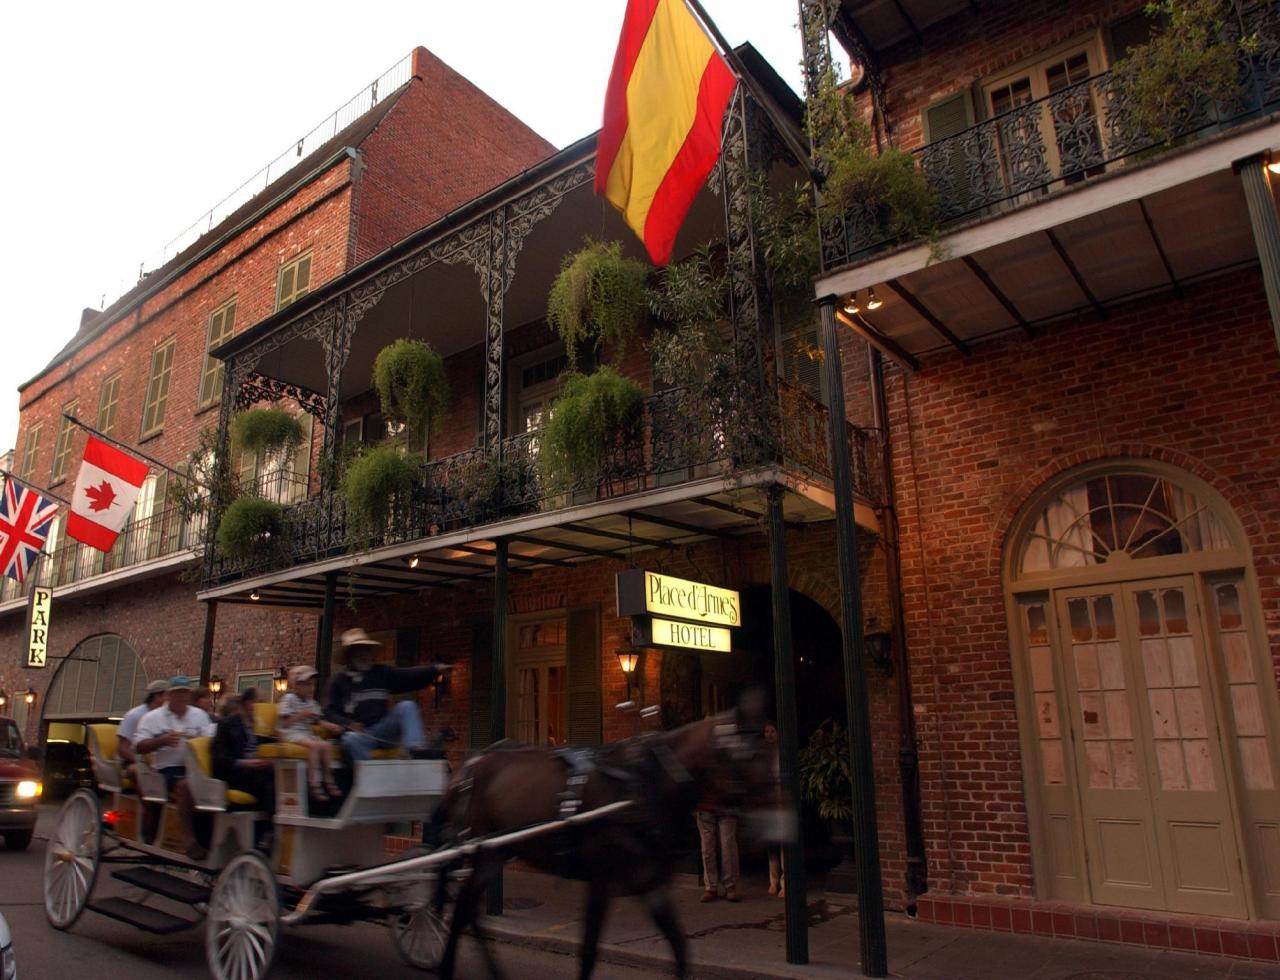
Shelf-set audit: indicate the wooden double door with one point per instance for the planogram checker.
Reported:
(1148, 759)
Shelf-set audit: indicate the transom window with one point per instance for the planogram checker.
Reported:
(1116, 516)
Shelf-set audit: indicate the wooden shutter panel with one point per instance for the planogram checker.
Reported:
(948, 116)
(481, 681)
(582, 655)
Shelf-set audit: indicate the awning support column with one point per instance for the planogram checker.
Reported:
(793, 875)
(1260, 197)
(206, 651)
(498, 681)
(324, 636)
(866, 838)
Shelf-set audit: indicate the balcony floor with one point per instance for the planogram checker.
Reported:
(666, 518)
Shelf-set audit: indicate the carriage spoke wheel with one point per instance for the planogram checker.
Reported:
(243, 920)
(71, 860)
(420, 930)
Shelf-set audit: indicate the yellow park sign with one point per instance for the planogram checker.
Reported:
(38, 637)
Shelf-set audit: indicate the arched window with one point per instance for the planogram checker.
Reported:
(1115, 515)
(103, 677)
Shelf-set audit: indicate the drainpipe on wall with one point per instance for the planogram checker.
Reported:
(917, 877)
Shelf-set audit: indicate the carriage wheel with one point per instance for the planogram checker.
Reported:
(421, 931)
(71, 859)
(244, 920)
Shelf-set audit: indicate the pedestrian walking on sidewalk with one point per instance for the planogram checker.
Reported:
(718, 877)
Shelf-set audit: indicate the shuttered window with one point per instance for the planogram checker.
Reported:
(948, 116)
(582, 653)
(108, 399)
(294, 281)
(62, 448)
(31, 451)
(157, 388)
(222, 323)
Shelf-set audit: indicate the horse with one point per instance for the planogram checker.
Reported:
(722, 760)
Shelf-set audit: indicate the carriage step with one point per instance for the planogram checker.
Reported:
(143, 917)
(151, 880)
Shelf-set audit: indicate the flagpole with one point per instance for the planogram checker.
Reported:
(746, 78)
(132, 449)
(31, 486)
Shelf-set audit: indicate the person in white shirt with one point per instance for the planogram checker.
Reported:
(157, 692)
(161, 733)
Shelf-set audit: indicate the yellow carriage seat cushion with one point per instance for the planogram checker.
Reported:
(264, 719)
(281, 750)
(102, 741)
(202, 748)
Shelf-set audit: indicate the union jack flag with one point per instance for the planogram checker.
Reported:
(25, 520)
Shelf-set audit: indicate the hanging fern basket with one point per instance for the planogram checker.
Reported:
(250, 526)
(585, 425)
(599, 298)
(265, 430)
(412, 385)
(373, 483)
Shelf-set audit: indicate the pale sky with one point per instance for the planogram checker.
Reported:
(126, 121)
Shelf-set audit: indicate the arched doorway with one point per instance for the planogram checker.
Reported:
(101, 679)
(1147, 707)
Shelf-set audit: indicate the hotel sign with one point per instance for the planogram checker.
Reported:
(653, 631)
(38, 637)
(645, 593)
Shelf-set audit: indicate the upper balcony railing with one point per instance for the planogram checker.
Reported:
(164, 533)
(1070, 136)
(672, 441)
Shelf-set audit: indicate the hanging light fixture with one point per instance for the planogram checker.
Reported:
(281, 680)
(628, 660)
(851, 303)
(873, 301)
(215, 685)
(254, 595)
(413, 560)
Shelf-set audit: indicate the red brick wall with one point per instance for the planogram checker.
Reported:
(1194, 382)
(418, 169)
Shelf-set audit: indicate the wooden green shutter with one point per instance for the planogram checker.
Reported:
(947, 117)
(481, 681)
(582, 654)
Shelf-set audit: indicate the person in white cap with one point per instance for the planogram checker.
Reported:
(360, 700)
(157, 692)
(161, 733)
(299, 711)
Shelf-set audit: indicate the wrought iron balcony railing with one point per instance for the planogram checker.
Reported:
(674, 439)
(164, 533)
(1072, 135)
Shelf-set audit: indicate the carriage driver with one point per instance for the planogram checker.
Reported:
(360, 700)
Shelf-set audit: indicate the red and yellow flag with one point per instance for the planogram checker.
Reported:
(667, 96)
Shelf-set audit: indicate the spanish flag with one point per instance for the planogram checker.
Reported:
(667, 96)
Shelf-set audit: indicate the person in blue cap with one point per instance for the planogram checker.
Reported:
(161, 733)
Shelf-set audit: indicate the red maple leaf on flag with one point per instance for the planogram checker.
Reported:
(102, 496)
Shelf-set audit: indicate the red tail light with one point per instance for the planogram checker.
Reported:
(111, 818)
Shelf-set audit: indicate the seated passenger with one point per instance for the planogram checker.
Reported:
(157, 692)
(234, 761)
(161, 733)
(297, 713)
(360, 700)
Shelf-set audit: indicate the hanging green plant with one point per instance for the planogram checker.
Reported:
(265, 430)
(585, 423)
(412, 386)
(373, 482)
(599, 298)
(249, 527)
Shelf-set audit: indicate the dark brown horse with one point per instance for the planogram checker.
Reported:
(721, 760)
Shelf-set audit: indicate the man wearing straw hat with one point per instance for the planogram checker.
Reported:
(360, 700)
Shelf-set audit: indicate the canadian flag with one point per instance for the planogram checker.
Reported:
(106, 489)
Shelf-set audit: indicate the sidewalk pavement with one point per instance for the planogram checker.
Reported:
(746, 939)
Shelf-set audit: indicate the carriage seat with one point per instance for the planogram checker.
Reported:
(264, 726)
(211, 795)
(108, 767)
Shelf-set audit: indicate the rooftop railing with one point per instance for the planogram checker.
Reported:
(1072, 135)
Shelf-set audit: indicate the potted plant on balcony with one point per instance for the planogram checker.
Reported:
(413, 388)
(825, 783)
(598, 299)
(586, 424)
(250, 527)
(262, 430)
(374, 482)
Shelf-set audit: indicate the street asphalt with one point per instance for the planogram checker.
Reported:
(98, 948)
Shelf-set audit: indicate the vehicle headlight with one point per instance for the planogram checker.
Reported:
(8, 964)
(29, 789)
